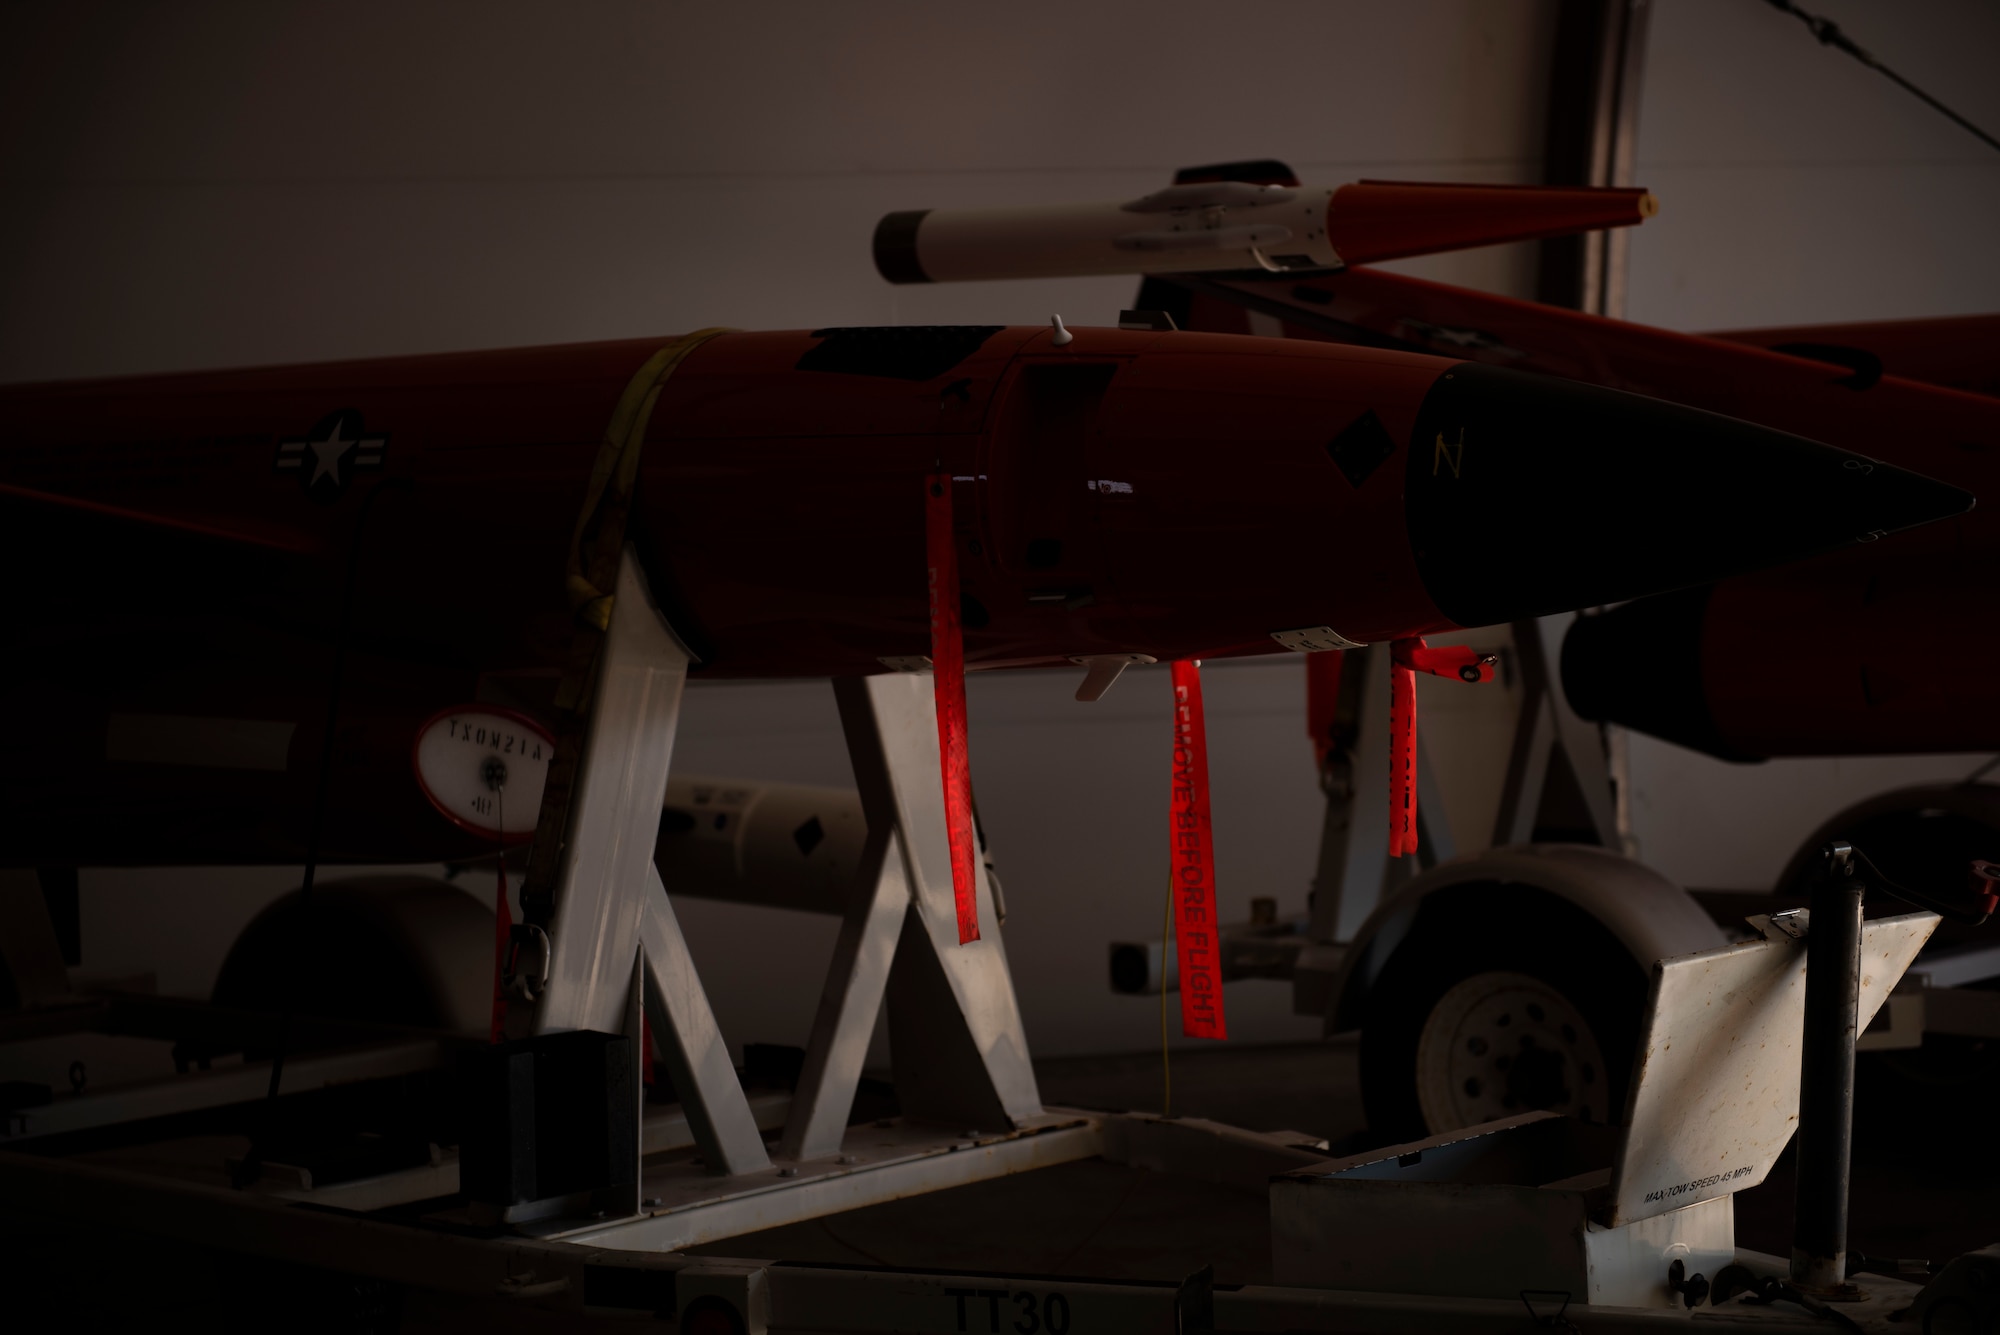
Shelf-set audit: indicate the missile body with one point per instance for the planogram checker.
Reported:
(1881, 649)
(1208, 226)
(192, 553)
(1831, 657)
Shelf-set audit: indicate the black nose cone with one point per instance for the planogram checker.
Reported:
(1528, 495)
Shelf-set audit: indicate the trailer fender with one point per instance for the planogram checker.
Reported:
(1569, 932)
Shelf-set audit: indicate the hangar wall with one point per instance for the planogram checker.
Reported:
(213, 184)
(1797, 186)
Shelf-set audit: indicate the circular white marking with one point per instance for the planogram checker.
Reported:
(1499, 1044)
(484, 767)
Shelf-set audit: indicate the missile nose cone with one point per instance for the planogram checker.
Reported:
(1528, 495)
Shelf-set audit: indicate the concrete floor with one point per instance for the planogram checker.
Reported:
(1926, 1173)
(1926, 1184)
(1926, 1178)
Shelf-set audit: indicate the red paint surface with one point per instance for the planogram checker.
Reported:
(1860, 656)
(1956, 351)
(1196, 939)
(948, 681)
(1385, 220)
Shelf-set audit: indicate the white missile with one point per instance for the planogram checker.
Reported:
(1214, 225)
(1222, 226)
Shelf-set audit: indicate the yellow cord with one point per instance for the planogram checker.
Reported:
(597, 543)
(1166, 944)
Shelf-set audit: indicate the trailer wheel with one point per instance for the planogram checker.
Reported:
(1922, 836)
(1500, 1000)
(402, 950)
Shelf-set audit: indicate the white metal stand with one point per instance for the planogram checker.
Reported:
(961, 1055)
(1547, 726)
(961, 1059)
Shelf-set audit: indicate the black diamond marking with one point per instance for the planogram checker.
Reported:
(1361, 448)
(809, 836)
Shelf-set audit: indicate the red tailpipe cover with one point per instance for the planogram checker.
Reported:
(1407, 658)
(1323, 701)
(948, 678)
(1402, 757)
(1193, 860)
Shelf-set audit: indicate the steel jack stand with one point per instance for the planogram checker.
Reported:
(1826, 1081)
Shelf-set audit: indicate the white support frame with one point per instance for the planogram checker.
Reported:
(850, 1001)
(953, 1017)
(1547, 725)
(613, 935)
(614, 943)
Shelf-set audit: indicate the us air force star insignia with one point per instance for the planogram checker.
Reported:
(327, 457)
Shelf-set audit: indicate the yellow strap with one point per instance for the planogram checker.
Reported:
(599, 538)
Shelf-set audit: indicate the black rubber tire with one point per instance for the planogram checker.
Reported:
(1924, 837)
(1477, 928)
(357, 951)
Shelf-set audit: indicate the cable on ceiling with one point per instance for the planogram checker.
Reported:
(1829, 34)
